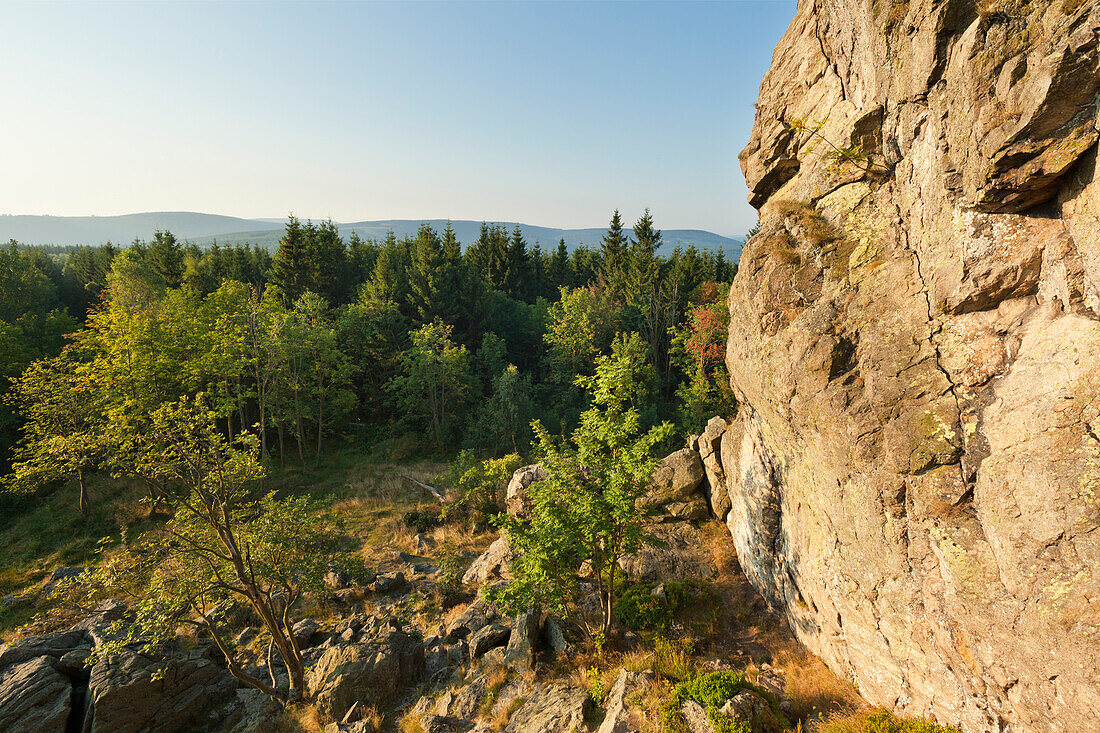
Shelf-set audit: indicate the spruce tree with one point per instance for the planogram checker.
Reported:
(290, 270)
(559, 266)
(424, 275)
(516, 283)
(328, 262)
(614, 252)
(165, 257)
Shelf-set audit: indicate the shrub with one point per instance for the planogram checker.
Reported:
(422, 520)
(711, 690)
(640, 610)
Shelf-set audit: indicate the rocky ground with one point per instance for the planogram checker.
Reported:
(413, 644)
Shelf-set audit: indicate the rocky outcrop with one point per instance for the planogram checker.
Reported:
(135, 693)
(373, 669)
(914, 468)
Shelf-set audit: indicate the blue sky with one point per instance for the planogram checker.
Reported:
(548, 113)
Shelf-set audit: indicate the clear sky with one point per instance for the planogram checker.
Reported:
(547, 113)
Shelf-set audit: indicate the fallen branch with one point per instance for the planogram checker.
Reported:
(435, 491)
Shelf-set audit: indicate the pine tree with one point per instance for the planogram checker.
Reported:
(165, 258)
(559, 266)
(614, 251)
(516, 283)
(290, 268)
(328, 262)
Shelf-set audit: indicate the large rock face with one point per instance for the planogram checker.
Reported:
(914, 474)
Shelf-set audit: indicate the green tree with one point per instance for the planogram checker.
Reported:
(291, 270)
(165, 257)
(614, 251)
(589, 507)
(222, 544)
(63, 432)
(501, 423)
(433, 386)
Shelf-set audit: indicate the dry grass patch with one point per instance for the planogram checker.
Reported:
(880, 720)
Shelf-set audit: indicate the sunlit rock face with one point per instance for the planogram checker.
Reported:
(914, 470)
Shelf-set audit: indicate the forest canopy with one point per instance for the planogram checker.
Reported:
(413, 346)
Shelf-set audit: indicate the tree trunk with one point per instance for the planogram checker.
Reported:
(83, 499)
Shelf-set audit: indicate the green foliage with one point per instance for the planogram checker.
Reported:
(597, 692)
(435, 381)
(222, 545)
(710, 690)
(639, 609)
(587, 507)
(477, 486)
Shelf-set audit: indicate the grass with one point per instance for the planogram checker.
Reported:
(881, 721)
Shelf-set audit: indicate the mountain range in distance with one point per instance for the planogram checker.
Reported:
(205, 229)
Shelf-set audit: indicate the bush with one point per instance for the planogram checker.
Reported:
(422, 520)
(642, 611)
(711, 690)
(478, 485)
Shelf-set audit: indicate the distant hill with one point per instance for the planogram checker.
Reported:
(205, 229)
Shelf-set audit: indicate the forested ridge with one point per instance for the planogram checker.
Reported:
(414, 346)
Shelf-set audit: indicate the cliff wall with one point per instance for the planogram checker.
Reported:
(914, 471)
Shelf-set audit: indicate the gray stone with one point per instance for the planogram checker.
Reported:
(619, 718)
(551, 709)
(488, 637)
(373, 670)
(516, 495)
(306, 633)
(749, 708)
(676, 479)
(390, 583)
(523, 642)
(34, 697)
(132, 692)
(491, 564)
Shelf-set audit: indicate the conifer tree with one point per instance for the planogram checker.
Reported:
(328, 262)
(559, 266)
(290, 270)
(519, 264)
(389, 279)
(614, 252)
(424, 275)
(165, 257)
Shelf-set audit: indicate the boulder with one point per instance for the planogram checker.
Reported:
(516, 495)
(523, 642)
(752, 711)
(619, 717)
(710, 451)
(390, 583)
(676, 555)
(676, 479)
(180, 691)
(551, 709)
(491, 564)
(488, 637)
(34, 696)
(694, 509)
(372, 670)
(695, 716)
(306, 632)
(473, 617)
